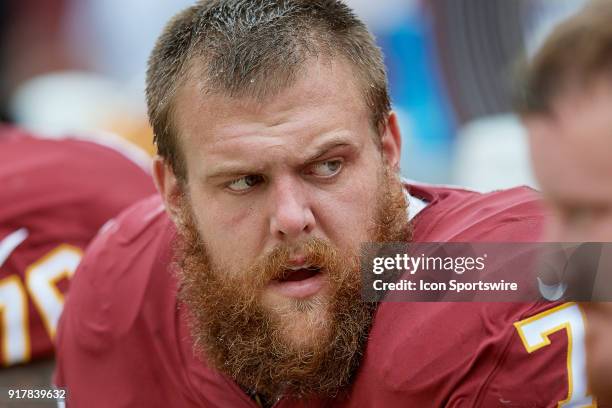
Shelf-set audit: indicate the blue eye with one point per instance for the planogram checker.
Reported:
(245, 183)
(327, 168)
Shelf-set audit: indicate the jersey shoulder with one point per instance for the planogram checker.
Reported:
(115, 272)
(470, 354)
(464, 354)
(66, 183)
(453, 214)
(56, 194)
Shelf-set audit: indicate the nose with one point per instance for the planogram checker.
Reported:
(291, 214)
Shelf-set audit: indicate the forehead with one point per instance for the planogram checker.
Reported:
(572, 147)
(325, 92)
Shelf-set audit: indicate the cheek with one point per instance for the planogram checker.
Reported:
(346, 215)
(218, 214)
(537, 164)
(225, 230)
(548, 158)
(544, 167)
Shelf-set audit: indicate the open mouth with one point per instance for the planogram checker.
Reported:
(299, 282)
(299, 274)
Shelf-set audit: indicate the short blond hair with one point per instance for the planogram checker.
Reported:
(579, 51)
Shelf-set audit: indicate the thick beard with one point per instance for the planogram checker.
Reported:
(235, 333)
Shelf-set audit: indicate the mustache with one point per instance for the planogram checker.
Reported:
(315, 252)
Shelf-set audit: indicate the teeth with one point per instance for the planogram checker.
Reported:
(297, 268)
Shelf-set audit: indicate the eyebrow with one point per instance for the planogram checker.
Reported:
(235, 170)
(323, 149)
(232, 170)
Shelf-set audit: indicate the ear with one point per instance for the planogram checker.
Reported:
(168, 186)
(391, 142)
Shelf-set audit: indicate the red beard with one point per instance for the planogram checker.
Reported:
(239, 336)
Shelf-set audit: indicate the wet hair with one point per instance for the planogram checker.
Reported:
(245, 48)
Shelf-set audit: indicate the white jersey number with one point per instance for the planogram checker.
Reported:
(41, 284)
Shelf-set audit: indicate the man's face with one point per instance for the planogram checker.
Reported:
(279, 196)
(572, 157)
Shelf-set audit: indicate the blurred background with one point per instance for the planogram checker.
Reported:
(79, 65)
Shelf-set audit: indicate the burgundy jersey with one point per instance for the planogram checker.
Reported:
(123, 340)
(55, 195)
